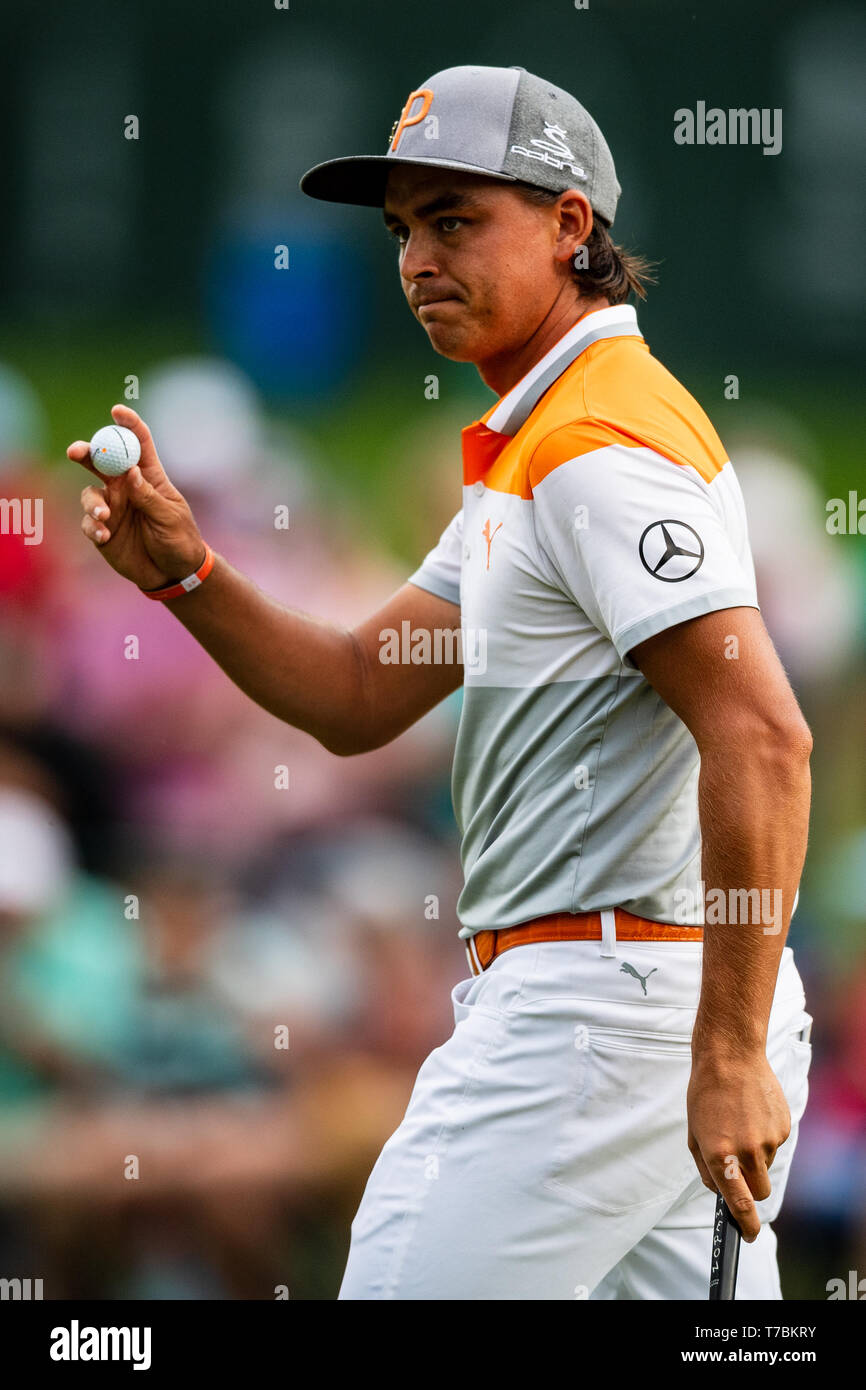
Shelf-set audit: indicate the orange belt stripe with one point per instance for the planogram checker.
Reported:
(567, 926)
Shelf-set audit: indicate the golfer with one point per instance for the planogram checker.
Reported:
(631, 775)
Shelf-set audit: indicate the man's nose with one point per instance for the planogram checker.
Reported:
(417, 261)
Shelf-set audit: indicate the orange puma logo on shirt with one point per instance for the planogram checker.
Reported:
(488, 536)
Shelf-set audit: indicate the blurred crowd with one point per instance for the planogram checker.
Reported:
(217, 988)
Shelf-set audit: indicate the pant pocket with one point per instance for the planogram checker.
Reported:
(791, 1065)
(791, 1062)
(458, 999)
(622, 1142)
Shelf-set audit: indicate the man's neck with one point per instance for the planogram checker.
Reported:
(504, 370)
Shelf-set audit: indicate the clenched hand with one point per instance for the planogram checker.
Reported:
(139, 521)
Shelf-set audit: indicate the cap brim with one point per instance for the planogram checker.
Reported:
(361, 179)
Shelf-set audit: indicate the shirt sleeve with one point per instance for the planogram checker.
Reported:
(439, 572)
(641, 542)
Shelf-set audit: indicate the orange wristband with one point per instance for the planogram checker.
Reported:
(185, 585)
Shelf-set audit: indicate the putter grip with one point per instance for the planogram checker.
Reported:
(725, 1254)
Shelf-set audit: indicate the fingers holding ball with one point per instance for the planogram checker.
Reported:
(114, 450)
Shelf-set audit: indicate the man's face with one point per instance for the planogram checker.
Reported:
(477, 261)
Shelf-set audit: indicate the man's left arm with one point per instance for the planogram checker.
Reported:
(753, 794)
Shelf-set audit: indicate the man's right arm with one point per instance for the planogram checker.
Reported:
(327, 680)
(331, 682)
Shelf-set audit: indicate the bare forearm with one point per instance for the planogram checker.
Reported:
(754, 811)
(343, 687)
(720, 673)
(302, 670)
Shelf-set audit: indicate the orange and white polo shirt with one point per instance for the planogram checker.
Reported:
(599, 508)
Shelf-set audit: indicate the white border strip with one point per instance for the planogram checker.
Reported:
(617, 316)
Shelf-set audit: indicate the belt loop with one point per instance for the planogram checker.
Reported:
(608, 932)
(472, 955)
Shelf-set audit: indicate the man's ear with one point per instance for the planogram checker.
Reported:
(575, 223)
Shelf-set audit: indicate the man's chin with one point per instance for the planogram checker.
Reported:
(449, 343)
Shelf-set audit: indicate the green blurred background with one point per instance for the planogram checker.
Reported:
(111, 247)
(121, 257)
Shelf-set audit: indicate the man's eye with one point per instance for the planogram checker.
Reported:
(445, 224)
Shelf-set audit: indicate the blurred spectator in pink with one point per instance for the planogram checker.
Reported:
(199, 756)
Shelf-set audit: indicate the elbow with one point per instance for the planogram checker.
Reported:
(348, 742)
(341, 742)
(346, 730)
(782, 758)
(791, 739)
(803, 741)
(343, 747)
(784, 740)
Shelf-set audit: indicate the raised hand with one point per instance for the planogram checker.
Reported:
(139, 521)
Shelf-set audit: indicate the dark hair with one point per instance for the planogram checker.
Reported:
(611, 270)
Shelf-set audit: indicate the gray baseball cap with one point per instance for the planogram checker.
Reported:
(504, 123)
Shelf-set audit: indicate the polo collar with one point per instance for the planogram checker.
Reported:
(485, 439)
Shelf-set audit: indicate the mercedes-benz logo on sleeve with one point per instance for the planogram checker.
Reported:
(671, 550)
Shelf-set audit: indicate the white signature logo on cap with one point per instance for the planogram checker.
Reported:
(551, 149)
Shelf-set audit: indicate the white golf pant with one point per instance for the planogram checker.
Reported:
(543, 1153)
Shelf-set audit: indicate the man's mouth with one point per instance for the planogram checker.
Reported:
(435, 303)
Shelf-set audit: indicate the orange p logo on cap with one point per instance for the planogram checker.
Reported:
(405, 119)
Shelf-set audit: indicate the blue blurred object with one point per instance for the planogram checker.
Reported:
(296, 331)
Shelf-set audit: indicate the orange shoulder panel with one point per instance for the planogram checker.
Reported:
(618, 393)
(510, 472)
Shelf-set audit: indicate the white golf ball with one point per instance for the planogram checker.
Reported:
(114, 450)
